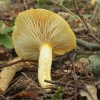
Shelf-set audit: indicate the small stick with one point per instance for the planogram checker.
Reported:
(73, 97)
(74, 75)
(54, 82)
(26, 7)
(11, 86)
(21, 60)
(87, 45)
(25, 75)
(82, 82)
(3, 98)
(95, 11)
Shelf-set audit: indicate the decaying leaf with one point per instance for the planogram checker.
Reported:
(91, 92)
(26, 94)
(7, 74)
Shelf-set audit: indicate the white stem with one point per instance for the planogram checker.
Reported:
(44, 68)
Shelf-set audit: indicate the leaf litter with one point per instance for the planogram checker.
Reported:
(25, 84)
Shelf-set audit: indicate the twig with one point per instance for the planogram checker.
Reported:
(95, 11)
(86, 45)
(84, 8)
(45, 96)
(90, 32)
(74, 75)
(22, 60)
(25, 75)
(3, 98)
(82, 82)
(54, 82)
(73, 97)
(12, 86)
(30, 80)
(26, 7)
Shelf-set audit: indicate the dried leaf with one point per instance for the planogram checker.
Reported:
(91, 94)
(8, 73)
(26, 94)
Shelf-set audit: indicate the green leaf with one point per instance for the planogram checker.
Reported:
(6, 30)
(6, 40)
(0, 24)
(71, 19)
(94, 64)
(58, 94)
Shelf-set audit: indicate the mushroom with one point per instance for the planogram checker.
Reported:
(41, 34)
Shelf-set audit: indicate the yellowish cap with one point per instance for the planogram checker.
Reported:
(35, 27)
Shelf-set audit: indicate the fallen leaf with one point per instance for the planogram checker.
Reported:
(26, 94)
(7, 74)
(91, 92)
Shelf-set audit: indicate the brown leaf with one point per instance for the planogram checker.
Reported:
(91, 94)
(26, 94)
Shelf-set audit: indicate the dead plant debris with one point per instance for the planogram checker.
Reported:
(72, 78)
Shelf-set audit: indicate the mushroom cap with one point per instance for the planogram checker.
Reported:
(35, 27)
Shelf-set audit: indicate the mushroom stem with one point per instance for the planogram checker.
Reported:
(44, 69)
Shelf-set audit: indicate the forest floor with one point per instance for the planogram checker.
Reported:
(76, 74)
